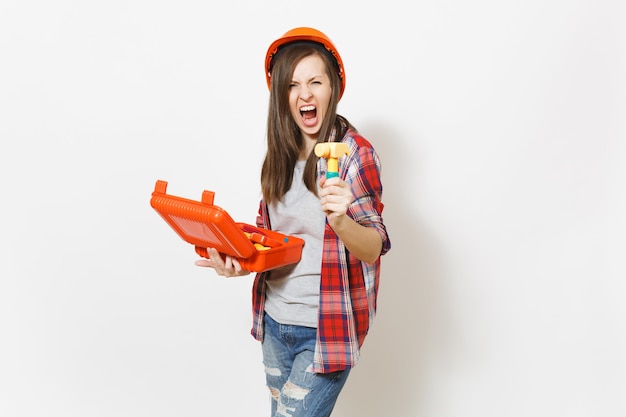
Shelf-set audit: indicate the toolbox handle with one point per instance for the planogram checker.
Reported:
(207, 197)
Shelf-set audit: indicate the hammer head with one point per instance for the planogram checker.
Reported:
(331, 149)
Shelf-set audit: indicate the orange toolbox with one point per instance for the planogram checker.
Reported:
(207, 226)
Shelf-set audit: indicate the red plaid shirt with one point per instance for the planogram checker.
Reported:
(348, 287)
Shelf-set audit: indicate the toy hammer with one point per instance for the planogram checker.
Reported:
(332, 151)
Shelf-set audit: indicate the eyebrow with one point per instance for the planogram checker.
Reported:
(311, 78)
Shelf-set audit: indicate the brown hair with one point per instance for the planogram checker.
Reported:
(284, 139)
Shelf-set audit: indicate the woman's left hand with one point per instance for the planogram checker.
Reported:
(335, 198)
(363, 242)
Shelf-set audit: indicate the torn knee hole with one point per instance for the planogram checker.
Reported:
(275, 393)
(291, 390)
(272, 371)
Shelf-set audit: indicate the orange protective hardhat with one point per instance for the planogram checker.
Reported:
(304, 34)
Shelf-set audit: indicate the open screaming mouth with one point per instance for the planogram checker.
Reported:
(308, 112)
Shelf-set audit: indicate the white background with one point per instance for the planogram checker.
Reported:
(501, 127)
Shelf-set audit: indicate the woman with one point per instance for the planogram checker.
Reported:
(312, 317)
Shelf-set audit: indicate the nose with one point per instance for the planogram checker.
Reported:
(306, 92)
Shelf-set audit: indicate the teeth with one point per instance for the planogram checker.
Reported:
(307, 108)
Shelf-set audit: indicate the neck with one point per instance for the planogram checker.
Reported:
(309, 144)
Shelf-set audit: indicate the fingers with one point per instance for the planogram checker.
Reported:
(326, 184)
(335, 196)
(336, 187)
(334, 210)
(227, 266)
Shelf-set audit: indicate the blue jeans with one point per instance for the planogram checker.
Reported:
(297, 391)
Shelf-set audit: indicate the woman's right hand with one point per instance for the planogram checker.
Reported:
(225, 267)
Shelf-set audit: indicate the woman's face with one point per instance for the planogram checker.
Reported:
(309, 95)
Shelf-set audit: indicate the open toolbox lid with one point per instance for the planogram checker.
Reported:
(207, 226)
(201, 223)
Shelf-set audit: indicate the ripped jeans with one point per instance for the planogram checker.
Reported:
(288, 358)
